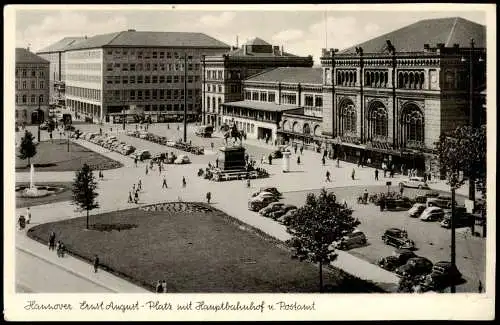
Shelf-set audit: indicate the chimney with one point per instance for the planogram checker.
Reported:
(281, 53)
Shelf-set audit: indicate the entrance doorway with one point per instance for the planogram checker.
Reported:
(35, 119)
(264, 133)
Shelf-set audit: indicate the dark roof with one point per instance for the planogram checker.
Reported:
(240, 52)
(263, 106)
(60, 45)
(291, 75)
(296, 111)
(25, 56)
(412, 38)
(150, 39)
(257, 41)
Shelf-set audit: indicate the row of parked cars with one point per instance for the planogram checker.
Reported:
(266, 202)
(109, 142)
(166, 142)
(440, 210)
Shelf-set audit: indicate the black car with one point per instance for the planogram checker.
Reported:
(443, 275)
(277, 154)
(415, 266)
(397, 259)
(397, 238)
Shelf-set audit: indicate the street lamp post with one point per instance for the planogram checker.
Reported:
(39, 116)
(203, 103)
(335, 125)
(185, 97)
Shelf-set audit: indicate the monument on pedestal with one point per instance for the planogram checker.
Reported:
(231, 158)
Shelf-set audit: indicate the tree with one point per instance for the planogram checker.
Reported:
(84, 190)
(27, 149)
(463, 151)
(321, 221)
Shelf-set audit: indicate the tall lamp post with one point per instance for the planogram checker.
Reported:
(472, 122)
(203, 104)
(185, 97)
(39, 116)
(332, 53)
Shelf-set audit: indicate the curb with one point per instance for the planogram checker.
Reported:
(78, 274)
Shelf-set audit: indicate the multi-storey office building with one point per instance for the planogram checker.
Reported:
(32, 87)
(127, 73)
(224, 73)
(56, 56)
(391, 97)
(283, 104)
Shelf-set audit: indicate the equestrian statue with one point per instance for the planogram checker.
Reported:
(234, 134)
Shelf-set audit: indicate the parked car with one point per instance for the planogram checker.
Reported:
(204, 131)
(282, 211)
(277, 154)
(398, 258)
(432, 214)
(440, 201)
(462, 218)
(143, 135)
(285, 219)
(415, 182)
(423, 198)
(272, 190)
(397, 238)
(143, 155)
(415, 266)
(398, 204)
(416, 210)
(443, 275)
(274, 206)
(355, 239)
(258, 202)
(182, 159)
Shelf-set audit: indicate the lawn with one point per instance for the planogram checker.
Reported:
(64, 195)
(53, 156)
(195, 251)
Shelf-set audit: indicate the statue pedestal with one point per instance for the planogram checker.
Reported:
(286, 161)
(231, 158)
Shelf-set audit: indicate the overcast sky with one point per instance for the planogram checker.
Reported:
(301, 31)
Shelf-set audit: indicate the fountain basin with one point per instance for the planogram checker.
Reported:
(25, 191)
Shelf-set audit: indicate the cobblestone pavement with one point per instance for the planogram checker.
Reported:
(230, 197)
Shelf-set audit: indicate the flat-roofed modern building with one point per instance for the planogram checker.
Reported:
(32, 87)
(56, 56)
(225, 73)
(134, 72)
(390, 98)
(283, 104)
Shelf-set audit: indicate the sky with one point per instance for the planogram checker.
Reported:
(300, 30)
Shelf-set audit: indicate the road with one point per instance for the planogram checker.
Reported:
(49, 277)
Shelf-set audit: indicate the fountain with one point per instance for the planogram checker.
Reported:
(36, 191)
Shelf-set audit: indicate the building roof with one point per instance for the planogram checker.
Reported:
(150, 39)
(262, 106)
(25, 56)
(411, 38)
(240, 52)
(257, 41)
(290, 75)
(60, 45)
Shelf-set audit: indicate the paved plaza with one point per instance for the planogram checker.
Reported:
(231, 197)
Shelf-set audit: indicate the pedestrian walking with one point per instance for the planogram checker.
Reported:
(52, 240)
(183, 181)
(136, 197)
(164, 286)
(164, 185)
(139, 185)
(28, 214)
(129, 197)
(22, 222)
(135, 161)
(338, 162)
(61, 249)
(295, 149)
(376, 174)
(270, 158)
(298, 160)
(353, 174)
(58, 245)
(248, 182)
(401, 188)
(323, 160)
(263, 159)
(328, 176)
(100, 131)
(209, 196)
(159, 288)
(301, 149)
(96, 263)
(147, 169)
(212, 146)
(392, 173)
(159, 169)
(217, 162)
(480, 287)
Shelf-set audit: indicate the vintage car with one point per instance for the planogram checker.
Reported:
(274, 206)
(415, 266)
(397, 238)
(462, 218)
(272, 190)
(443, 275)
(182, 159)
(355, 239)
(399, 257)
(432, 214)
(260, 201)
(415, 182)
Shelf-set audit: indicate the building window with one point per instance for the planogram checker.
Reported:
(139, 79)
(309, 101)
(132, 94)
(289, 98)
(169, 55)
(109, 67)
(378, 121)
(155, 66)
(109, 80)
(162, 79)
(132, 66)
(17, 99)
(208, 102)
(318, 101)
(132, 79)
(162, 93)
(263, 97)
(162, 55)
(33, 73)
(190, 79)
(155, 55)
(24, 84)
(176, 79)
(169, 93)
(117, 79)
(154, 79)
(124, 80)
(155, 94)
(219, 88)
(413, 125)
(169, 79)
(33, 99)
(24, 99)
(219, 75)
(348, 115)
(41, 98)
(255, 95)
(146, 79)
(271, 97)
(24, 73)
(33, 85)
(125, 67)
(17, 75)
(139, 66)
(41, 84)
(139, 94)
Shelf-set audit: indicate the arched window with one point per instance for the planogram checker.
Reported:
(295, 127)
(378, 120)
(413, 124)
(306, 129)
(401, 81)
(317, 131)
(348, 116)
(286, 125)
